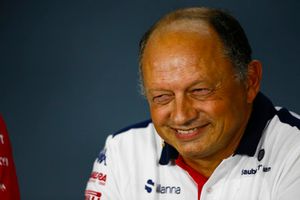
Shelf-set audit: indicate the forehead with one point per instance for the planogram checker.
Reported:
(183, 48)
(177, 39)
(183, 36)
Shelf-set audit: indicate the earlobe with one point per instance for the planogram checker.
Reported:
(254, 76)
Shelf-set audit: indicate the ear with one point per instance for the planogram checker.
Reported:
(253, 79)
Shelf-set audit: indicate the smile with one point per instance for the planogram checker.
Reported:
(191, 133)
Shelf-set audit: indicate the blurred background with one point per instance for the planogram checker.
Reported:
(68, 77)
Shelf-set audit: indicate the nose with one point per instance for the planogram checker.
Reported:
(184, 112)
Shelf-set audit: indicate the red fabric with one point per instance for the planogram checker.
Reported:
(9, 189)
(197, 177)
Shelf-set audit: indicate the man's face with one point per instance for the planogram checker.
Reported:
(196, 102)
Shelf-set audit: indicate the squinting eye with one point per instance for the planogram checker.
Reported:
(162, 99)
(201, 91)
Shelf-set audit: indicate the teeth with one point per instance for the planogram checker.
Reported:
(186, 131)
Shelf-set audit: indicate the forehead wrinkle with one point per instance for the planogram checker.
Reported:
(176, 37)
(179, 52)
(182, 26)
(171, 80)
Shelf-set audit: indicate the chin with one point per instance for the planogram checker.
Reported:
(191, 151)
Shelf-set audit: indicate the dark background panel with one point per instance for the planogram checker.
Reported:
(68, 77)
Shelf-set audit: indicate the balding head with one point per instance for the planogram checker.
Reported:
(228, 29)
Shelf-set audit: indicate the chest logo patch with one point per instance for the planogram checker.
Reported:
(253, 171)
(161, 189)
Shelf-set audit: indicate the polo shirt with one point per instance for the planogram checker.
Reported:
(136, 163)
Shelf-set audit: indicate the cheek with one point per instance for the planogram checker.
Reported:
(220, 114)
(159, 115)
(213, 109)
(227, 116)
(228, 104)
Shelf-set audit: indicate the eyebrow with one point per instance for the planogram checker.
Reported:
(193, 84)
(157, 90)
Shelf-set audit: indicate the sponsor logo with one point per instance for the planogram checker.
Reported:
(149, 186)
(4, 161)
(253, 171)
(98, 177)
(102, 157)
(161, 189)
(92, 195)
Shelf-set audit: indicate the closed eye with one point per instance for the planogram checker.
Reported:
(201, 92)
(162, 99)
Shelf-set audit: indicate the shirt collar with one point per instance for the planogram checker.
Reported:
(263, 110)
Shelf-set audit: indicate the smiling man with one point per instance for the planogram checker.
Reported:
(213, 134)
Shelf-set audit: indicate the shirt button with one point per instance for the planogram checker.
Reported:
(209, 190)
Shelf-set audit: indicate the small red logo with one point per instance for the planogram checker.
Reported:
(4, 161)
(92, 195)
(98, 176)
(2, 187)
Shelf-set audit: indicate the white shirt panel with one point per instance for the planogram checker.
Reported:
(133, 171)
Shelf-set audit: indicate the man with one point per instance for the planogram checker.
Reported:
(213, 135)
(9, 189)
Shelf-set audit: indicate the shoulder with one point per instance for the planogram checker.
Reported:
(285, 125)
(136, 132)
(130, 146)
(139, 136)
(282, 145)
(289, 118)
(282, 136)
(139, 127)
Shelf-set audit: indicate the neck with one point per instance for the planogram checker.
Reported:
(207, 165)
